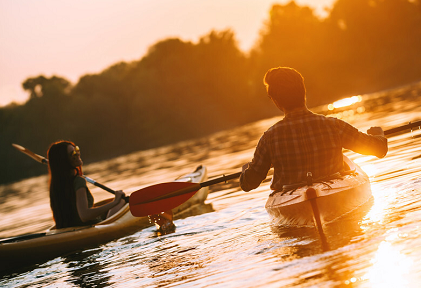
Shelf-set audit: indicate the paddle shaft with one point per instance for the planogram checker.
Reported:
(220, 179)
(403, 127)
(171, 192)
(43, 160)
(224, 178)
(92, 181)
(236, 175)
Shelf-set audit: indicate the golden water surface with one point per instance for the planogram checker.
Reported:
(235, 246)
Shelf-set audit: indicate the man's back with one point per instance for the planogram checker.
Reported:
(306, 142)
(303, 141)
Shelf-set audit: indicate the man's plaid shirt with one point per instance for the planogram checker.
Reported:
(306, 142)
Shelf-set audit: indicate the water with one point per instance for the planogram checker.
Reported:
(235, 246)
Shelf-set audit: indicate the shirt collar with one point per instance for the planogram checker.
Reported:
(297, 113)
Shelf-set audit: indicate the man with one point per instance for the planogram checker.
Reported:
(302, 141)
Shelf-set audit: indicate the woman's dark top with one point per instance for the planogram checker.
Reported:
(73, 219)
(80, 182)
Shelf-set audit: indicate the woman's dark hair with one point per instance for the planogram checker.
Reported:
(62, 174)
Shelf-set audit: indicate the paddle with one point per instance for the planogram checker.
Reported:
(43, 160)
(153, 199)
(160, 195)
(163, 196)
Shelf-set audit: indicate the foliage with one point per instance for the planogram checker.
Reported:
(182, 90)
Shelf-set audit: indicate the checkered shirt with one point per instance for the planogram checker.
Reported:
(306, 142)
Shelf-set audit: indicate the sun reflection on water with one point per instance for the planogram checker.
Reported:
(345, 102)
(390, 267)
(378, 211)
(370, 169)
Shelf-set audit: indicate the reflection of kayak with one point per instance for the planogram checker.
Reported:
(323, 201)
(34, 248)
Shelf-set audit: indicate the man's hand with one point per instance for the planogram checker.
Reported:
(376, 131)
(245, 166)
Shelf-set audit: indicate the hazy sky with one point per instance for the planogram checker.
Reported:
(72, 38)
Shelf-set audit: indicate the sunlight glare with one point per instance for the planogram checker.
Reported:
(391, 268)
(377, 212)
(370, 169)
(345, 102)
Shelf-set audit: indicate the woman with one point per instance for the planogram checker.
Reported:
(70, 198)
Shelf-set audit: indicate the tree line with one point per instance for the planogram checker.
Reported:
(182, 90)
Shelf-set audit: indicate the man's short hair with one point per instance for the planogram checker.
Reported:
(286, 86)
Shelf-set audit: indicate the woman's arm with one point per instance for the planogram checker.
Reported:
(86, 213)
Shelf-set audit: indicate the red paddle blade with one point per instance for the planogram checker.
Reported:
(161, 197)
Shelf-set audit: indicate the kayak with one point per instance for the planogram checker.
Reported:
(36, 248)
(321, 201)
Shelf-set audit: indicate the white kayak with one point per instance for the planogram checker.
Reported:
(320, 202)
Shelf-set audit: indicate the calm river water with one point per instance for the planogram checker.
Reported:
(235, 246)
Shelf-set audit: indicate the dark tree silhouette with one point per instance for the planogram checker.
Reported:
(181, 90)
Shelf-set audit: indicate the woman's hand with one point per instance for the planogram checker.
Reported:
(119, 194)
(119, 202)
(89, 213)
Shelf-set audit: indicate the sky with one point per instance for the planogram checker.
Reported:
(71, 38)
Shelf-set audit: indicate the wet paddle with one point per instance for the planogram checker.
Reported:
(165, 196)
(153, 199)
(145, 204)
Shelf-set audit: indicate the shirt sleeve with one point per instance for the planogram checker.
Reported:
(79, 182)
(360, 142)
(258, 168)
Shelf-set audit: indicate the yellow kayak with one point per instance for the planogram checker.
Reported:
(35, 248)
